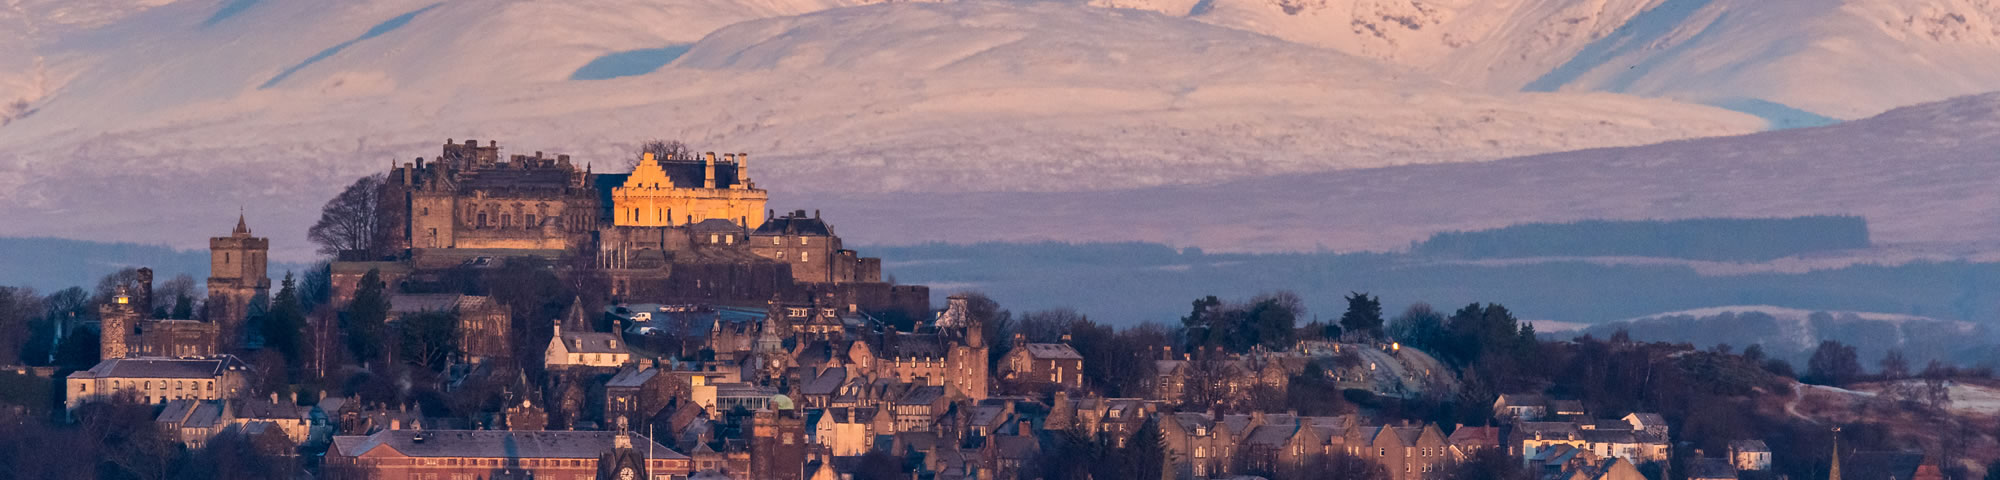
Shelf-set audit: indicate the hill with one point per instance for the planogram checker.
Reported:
(293, 98)
(1792, 334)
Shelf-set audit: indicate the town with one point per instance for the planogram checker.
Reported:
(481, 316)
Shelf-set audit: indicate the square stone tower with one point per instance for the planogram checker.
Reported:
(237, 274)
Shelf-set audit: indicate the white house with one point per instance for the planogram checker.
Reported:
(1750, 455)
(590, 349)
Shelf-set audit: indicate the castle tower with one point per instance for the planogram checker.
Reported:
(119, 318)
(237, 273)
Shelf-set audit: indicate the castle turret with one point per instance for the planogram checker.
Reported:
(119, 316)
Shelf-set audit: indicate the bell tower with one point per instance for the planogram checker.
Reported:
(237, 274)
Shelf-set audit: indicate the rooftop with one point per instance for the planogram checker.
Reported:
(162, 368)
(493, 444)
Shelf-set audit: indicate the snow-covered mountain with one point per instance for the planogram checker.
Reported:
(1787, 60)
(168, 116)
(1923, 176)
(144, 120)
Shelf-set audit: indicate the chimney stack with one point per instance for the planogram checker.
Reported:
(743, 170)
(145, 291)
(709, 160)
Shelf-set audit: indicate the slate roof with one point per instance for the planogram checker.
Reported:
(632, 377)
(175, 411)
(1651, 419)
(207, 414)
(1548, 429)
(1608, 436)
(425, 302)
(1715, 468)
(592, 342)
(794, 223)
(1271, 435)
(717, 225)
(827, 383)
(911, 345)
(1749, 446)
(258, 408)
(494, 444)
(923, 395)
(161, 368)
(1052, 351)
(1479, 436)
(1192, 421)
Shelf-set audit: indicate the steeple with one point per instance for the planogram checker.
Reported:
(242, 229)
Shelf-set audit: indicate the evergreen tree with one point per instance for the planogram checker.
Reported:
(1833, 363)
(1364, 315)
(367, 318)
(183, 308)
(1145, 455)
(429, 339)
(285, 324)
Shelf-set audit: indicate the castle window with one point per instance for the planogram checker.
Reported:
(482, 220)
(805, 240)
(531, 221)
(225, 258)
(506, 220)
(777, 241)
(805, 257)
(781, 255)
(427, 210)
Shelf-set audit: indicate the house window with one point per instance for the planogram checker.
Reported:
(781, 255)
(777, 241)
(729, 239)
(805, 240)
(482, 220)
(713, 238)
(506, 220)
(531, 221)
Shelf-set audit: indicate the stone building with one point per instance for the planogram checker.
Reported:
(809, 245)
(483, 324)
(471, 199)
(238, 274)
(158, 380)
(1041, 367)
(778, 442)
(665, 192)
(494, 454)
(128, 331)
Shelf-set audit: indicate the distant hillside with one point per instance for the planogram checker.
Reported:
(49, 264)
(1792, 334)
(1717, 239)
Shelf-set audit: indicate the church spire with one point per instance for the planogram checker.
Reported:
(242, 229)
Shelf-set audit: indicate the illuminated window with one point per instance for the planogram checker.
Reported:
(805, 257)
(777, 241)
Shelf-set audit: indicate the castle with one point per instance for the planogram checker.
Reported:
(237, 276)
(674, 230)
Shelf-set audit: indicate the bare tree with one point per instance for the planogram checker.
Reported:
(662, 150)
(350, 221)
